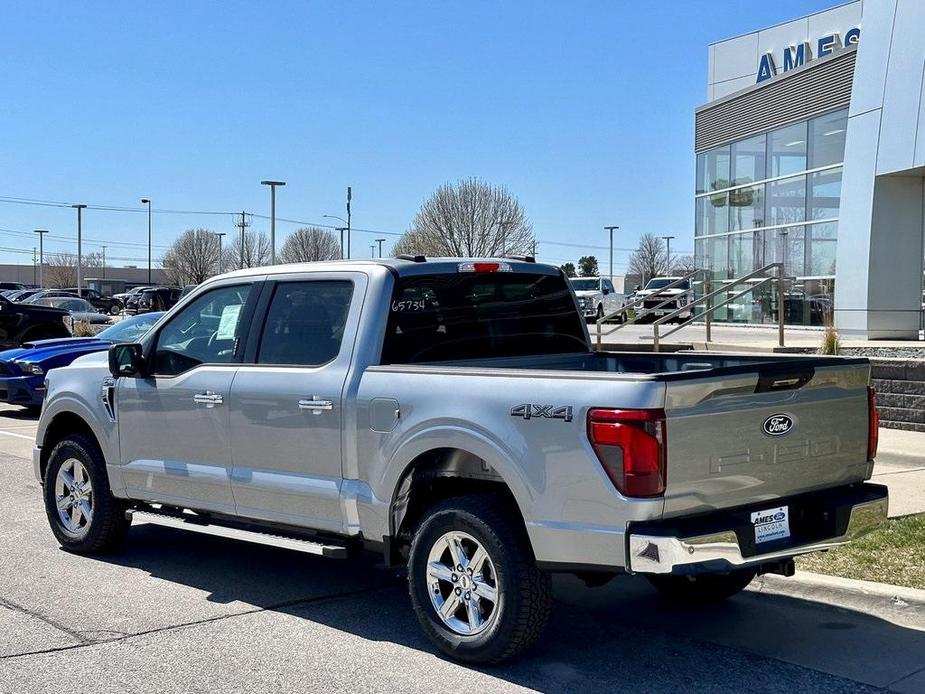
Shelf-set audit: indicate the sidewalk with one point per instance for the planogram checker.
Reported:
(901, 467)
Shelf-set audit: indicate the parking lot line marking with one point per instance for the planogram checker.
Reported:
(18, 436)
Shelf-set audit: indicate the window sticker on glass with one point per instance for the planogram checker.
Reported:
(409, 305)
(228, 322)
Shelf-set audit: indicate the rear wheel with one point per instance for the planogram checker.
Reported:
(702, 588)
(83, 514)
(474, 583)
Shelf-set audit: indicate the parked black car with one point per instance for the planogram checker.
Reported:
(105, 304)
(124, 297)
(21, 323)
(11, 285)
(153, 299)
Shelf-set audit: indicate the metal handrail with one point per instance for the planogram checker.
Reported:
(656, 336)
(643, 313)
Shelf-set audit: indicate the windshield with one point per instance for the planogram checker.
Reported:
(586, 285)
(665, 281)
(471, 316)
(130, 329)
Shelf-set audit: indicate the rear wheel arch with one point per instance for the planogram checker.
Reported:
(433, 477)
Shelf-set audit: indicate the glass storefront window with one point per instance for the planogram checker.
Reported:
(712, 215)
(713, 170)
(787, 150)
(827, 138)
(787, 200)
(748, 160)
(822, 240)
(824, 194)
(746, 207)
(744, 253)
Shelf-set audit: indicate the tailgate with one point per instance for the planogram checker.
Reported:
(772, 431)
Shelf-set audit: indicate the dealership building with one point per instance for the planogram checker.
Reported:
(811, 152)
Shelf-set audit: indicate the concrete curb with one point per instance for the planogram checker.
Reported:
(899, 604)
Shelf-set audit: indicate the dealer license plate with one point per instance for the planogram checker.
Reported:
(771, 524)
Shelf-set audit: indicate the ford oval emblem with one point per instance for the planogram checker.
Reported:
(777, 425)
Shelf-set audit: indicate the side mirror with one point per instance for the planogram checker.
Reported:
(606, 291)
(125, 360)
(638, 287)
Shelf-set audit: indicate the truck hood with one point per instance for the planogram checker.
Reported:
(587, 292)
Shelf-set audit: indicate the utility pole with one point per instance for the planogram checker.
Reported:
(221, 259)
(41, 233)
(668, 253)
(341, 230)
(80, 209)
(611, 230)
(104, 262)
(380, 242)
(35, 260)
(272, 185)
(147, 201)
(372, 250)
(243, 224)
(349, 198)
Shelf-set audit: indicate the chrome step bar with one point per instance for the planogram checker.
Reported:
(199, 524)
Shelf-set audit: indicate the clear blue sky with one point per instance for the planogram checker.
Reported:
(584, 110)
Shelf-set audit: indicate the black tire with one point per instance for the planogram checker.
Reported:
(115, 308)
(107, 527)
(702, 588)
(524, 599)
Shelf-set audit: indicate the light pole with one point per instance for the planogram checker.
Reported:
(611, 230)
(146, 201)
(104, 262)
(41, 233)
(668, 252)
(349, 198)
(380, 242)
(221, 260)
(343, 254)
(80, 209)
(272, 185)
(372, 250)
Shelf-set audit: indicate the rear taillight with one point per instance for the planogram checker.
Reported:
(873, 424)
(483, 267)
(633, 449)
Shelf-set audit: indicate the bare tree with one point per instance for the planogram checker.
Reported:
(61, 268)
(469, 219)
(309, 244)
(256, 251)
(192, 257)
(683, 264)
(649, 260)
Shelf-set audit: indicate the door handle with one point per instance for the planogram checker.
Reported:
(209, 399)
(315, 405)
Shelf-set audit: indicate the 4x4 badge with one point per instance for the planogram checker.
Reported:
(530, 411)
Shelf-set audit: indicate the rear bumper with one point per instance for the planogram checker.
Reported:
(725, 540)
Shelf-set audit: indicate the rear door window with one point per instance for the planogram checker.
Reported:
(305, 322)
(450, 317)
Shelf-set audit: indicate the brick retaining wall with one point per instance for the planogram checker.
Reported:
(900, 385)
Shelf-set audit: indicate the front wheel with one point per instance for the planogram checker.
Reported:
(84, 516)
(474, 583)
(702, 588)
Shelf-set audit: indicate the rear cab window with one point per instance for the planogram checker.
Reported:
(454, 316)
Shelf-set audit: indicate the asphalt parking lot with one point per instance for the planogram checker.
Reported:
(184, 613)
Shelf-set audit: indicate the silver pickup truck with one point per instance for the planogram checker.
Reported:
(452, 415)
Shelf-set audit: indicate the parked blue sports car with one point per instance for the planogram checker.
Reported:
(22, 370)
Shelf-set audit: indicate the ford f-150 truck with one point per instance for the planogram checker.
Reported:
(452, 415)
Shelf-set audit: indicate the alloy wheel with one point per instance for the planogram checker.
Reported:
(74, 497)
(462, 583)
